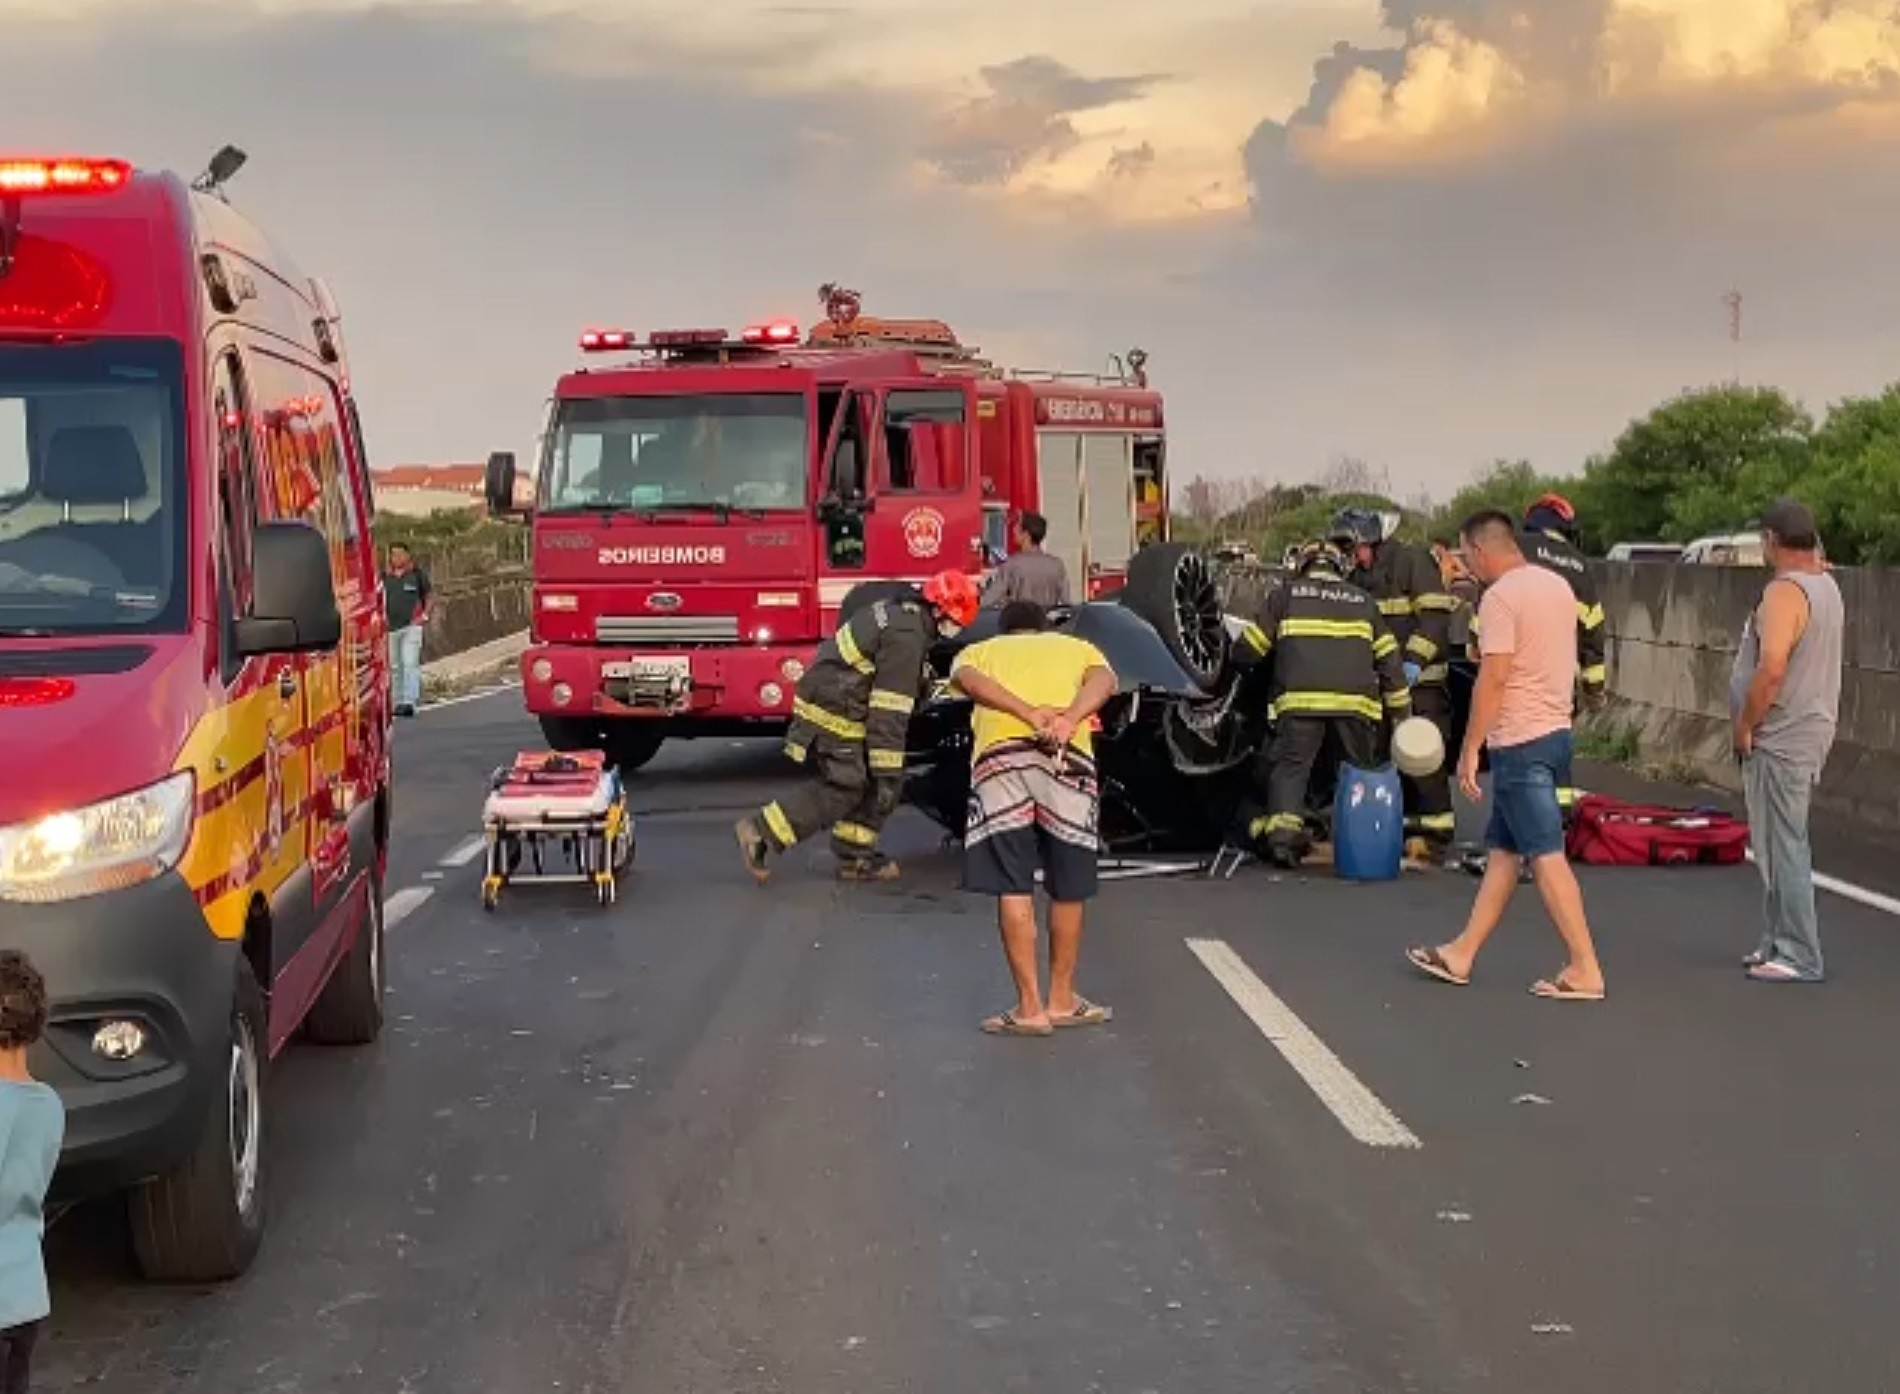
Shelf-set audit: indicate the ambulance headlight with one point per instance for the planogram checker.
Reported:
(103, 847)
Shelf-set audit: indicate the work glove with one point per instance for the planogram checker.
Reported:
(888, 793)
(1412, 670)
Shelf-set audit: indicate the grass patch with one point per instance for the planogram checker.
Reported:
(1610, 743)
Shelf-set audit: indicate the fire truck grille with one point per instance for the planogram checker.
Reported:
(667, 629)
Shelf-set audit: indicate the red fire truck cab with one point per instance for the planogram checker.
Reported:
(703, 504)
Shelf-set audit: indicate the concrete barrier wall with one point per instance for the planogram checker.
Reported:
(1674, 631)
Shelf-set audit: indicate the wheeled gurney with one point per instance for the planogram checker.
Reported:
(574, 801)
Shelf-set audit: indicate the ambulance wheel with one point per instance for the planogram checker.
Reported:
(203, 1223)
(1171, 586)
(350, 1009)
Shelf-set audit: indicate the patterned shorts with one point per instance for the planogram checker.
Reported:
(1032, 811)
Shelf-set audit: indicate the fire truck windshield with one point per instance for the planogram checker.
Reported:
(738, 452)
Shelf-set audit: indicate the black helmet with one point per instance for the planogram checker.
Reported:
(1319, 556)
(1356, 527)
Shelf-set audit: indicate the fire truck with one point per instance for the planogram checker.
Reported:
(703, 503)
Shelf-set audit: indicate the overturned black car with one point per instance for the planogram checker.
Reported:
(1177, 744)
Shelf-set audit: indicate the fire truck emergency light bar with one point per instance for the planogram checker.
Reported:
(776, 333)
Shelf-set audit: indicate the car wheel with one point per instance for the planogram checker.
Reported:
(350, 1009)
(204, 1222)
(632, 745)
(565, 733)
(1172, 587)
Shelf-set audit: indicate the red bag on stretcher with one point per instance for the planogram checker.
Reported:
(1609, 832)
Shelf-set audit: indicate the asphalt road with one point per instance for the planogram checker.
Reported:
(718, 1140)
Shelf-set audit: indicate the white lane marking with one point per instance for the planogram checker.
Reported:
(1848, 890)
(484, 693)
(403, 904)
(1356, 1107)
(465, 852)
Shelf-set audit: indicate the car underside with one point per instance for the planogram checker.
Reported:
(1177, 743)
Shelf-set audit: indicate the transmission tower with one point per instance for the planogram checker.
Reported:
(1734, 302)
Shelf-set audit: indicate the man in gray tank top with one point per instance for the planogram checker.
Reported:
(1030, 573)
(1785, 696)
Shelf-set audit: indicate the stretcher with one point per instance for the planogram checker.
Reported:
(573, 805)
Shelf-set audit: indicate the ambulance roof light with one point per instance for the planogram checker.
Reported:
(607, 341)
(778, 331)
(21, 177)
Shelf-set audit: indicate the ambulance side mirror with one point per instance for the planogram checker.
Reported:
(293, 606)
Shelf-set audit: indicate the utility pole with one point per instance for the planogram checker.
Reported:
(1734, 302)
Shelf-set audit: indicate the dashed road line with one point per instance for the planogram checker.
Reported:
(1874, 900)
(465, 852)
(1357, 1108)
(403, 904)
(475, 696)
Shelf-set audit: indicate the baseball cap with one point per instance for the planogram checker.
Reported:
(1792, 523)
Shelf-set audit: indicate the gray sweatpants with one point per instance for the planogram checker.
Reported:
(1779, 792)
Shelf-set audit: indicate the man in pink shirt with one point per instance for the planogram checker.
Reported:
(1520, 708)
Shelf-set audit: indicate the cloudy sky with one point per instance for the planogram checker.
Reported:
(1426, 233)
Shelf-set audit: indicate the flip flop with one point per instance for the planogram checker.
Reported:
(1431, 963)
(1775, 971)
(1005, 1024)
(1086, 1013)
(1560, 989)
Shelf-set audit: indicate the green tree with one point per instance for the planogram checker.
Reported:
(1853, 485)
(1704, 462)
(1510, 485)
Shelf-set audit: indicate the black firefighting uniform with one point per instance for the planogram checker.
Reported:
(1337, 678)
(1411, 594)
(849, 719)
(1554, 554)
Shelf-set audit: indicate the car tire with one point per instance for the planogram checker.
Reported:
(564, 733)
(632, 745)
(349, 1011)
(203, 1223)
(1172, 587)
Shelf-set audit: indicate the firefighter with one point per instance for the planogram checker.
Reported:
(1337, 676)
(1415, 601)
(849, 720)
(1550, 541)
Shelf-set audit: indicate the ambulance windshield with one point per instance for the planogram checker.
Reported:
(739, 451)
(92, 536)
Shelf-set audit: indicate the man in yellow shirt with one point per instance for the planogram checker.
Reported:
(1035, 803)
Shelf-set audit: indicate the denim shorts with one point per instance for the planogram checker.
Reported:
(1525, 816)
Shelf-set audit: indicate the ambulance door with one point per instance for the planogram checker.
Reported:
(270, 753)
(927, 499)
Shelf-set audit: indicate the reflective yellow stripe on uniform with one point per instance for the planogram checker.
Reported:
(1446, 603)
(827, 721)
(1255, 638)
(849, 651)
(883, 701)
(1596, 675)
(1276, 823)
(1397, 605)
(780, 825)
(1435, 672)
(1566, 798)
(1385, 644)
(1326, 629)
(855, 833)
(1591, 616)
(1324, 704)
(796, 753)
(1421, 648)
(887, 760)
(1439, 823)
(1400, 701)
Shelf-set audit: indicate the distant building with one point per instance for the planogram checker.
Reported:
(419, 490)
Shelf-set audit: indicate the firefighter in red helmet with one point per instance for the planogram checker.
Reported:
(849, 720)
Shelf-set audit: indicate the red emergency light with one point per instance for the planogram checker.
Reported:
(19, 177)
(686, 338)
(778, 331)
(606, 341)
